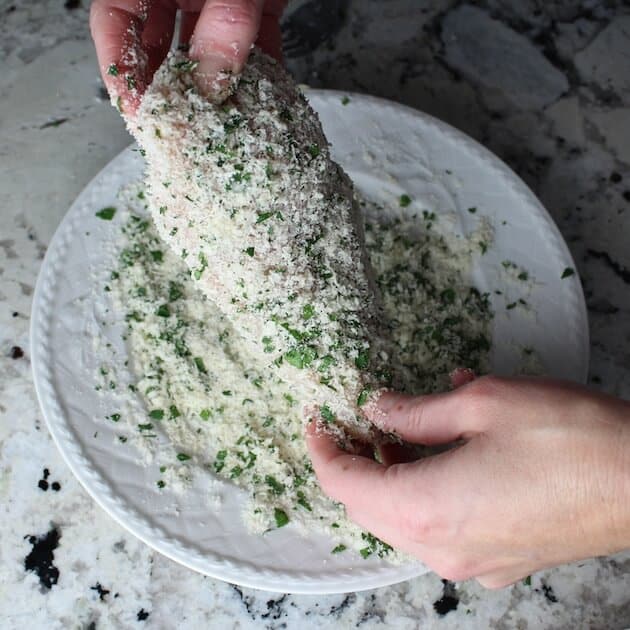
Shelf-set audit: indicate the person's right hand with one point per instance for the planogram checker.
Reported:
(132, 38)
(543, 478)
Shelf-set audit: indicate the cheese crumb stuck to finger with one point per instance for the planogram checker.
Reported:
(247, 195)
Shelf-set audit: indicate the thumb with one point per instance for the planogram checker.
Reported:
(223, 37)
(431, 419)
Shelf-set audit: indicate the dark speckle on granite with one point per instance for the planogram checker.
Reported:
(620, 271)
(449, 600)
(350, 598)
(550, 596)
(41, 557)
(44, 484)
(102, 592)
(142, 615)
(16, 352)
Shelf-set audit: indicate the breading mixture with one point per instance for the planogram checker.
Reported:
(223, 412)
(247, 195)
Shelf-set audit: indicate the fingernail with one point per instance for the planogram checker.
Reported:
(215, 75)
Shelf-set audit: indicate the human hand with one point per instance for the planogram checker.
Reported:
(543, 478)
(132, 38)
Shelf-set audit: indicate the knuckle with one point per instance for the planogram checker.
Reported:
(483, 392)
(232, 13)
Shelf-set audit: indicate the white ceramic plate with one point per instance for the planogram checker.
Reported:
(388, 150)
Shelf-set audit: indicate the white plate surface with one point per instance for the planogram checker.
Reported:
(388, 150)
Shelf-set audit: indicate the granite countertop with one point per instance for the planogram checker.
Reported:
(544, 85)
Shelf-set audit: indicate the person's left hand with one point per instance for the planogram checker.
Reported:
(132, 38)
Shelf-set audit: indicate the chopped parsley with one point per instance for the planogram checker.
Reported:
(107, 214)
(112, 70)
(300, 357)
(219, 461)
(274, 484)
(280, 517)
(182, 457)
(157, 414)
(362, 398)
(163, 311)
(200, 365)
(567, 273)
(326, 414)
(339, 549)
(404, 200)
(363, 359)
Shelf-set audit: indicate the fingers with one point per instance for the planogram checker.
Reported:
(131, 38)
(221, 42)
(432, 419)
(358, 482)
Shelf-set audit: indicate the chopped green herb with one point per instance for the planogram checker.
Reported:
(308, 311)
(112, 70)
(160, 483)
(345, 100)
(527, 581)
(448, 295)
(200, 365)
(523, 275)
(300, 357)
(115, 417)
(363, 359)
(567, 273)
(263, 216)
(404, 200)
(157, 255)
(219, 462)
(163, 311)
(326, 414)
(249, 251)
(205, 414)
(182, 457)
(267, 344)
(280, 517)
(313, 150)
(472, 210)
(362, 398)
(174, 412)
(145, 427)
(156, 414)
(107, 214)
(339, 549)
(274, 484)
(303, 502)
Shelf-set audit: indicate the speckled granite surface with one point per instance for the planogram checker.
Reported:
(544, 85)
